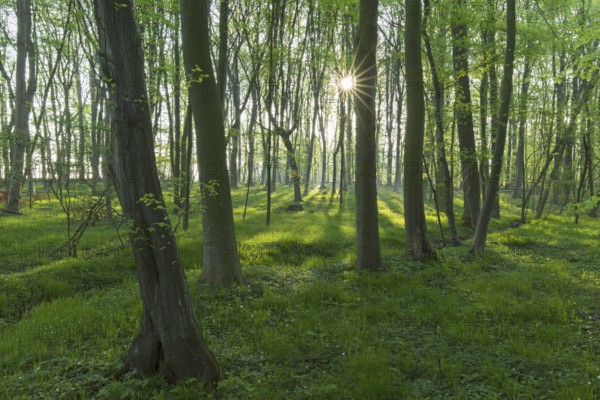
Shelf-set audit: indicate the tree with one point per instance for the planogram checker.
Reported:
(169, 340)
(466, 136)
(25, 90)
(367, 224)
(220, 260)
(417, 245)
(506, 95)
(447, 185)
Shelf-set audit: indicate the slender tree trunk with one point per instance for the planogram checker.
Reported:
(520, 160)
(388, 125)
(399, 136)
(25, 91)
(311, 145)
(484, 167)
(236, 129)
(169, 340)
(223, 46)
(96, 148)
(480, 237)
(348, 167)
(291, 153)
(466, 136)
(417, 245)
(589, 156)
(178, 164)
(81, 126)
(367, 224)
(220, 260)
(447, 183)
(187, 168)
(251, 150)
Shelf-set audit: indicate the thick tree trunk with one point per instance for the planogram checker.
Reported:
(466, 136)
(479, 240)
(220, 260)
(169, 340)
(367, 224)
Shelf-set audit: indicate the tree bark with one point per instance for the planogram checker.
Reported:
(447, 182)
(367, 224)
(520, 160)
(466, 136)
(417, 245)
(169, 340)
(479, 240)
(25, 90)
(220, 260)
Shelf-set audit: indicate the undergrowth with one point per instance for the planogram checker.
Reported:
(522, 321)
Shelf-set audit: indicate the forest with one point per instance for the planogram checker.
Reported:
(299, 199)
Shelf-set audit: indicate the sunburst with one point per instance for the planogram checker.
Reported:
(347, 83)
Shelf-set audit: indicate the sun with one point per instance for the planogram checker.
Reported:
(347, 83)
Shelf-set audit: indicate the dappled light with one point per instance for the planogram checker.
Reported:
(318, 199)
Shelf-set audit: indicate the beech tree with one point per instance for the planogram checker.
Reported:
(220, 260)
(464, 115)
(417, 245)
(367, 223)
(169, 340)
(506, 96)
(24, 92)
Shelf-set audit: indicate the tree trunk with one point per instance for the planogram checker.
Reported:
(399, 105)
(367, 224)
(447, 182)
(291, 153)
(496, 171)
(223, 45)
(169, 340)
(520, 160)
(417, 245)
(251, 150)
(236, 128)
(186, 169)
(177, 162)
(220, 260)
(24, 93)
(466, 136)
(589, 134)
(323, 152)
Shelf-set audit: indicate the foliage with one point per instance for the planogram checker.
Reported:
(521, 322)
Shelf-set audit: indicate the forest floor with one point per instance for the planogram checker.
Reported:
(521, 322)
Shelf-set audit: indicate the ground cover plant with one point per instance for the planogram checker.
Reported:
(521, 321)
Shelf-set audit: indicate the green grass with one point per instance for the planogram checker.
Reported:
(522, 321)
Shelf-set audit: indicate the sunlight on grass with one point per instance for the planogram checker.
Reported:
(520, 322)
